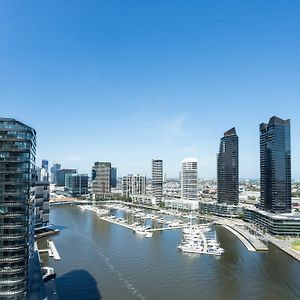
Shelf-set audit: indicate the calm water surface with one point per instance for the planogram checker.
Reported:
(105, 261)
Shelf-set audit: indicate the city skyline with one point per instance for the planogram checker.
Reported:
(199, 177)
(151, 79)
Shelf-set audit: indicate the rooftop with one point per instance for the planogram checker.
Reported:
(282, 216)
(189, 159)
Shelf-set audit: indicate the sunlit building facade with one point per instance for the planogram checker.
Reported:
(101, 176)
(157, 179)
(17, 162)
(189, 179)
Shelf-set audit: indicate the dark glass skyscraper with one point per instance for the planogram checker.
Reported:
(45, 164)
(54, 169)
(275, 165)
(113, 177)
(62, 174)
(17, 160)
(228, 168)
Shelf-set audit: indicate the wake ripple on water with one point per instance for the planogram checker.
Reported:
(120, 276)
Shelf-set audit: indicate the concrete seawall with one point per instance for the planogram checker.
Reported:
(241, 238)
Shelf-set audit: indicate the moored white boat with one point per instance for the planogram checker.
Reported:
(149, 234)
(140, 230)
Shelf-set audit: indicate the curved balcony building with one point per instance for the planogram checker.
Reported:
(17, 160)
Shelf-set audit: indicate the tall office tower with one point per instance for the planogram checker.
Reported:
(228, 168)
(17, 159)
(101, 178)
(157, 179)
(45, 164)
(189, 179)
(275, 166)
(78, 184)
(53, 171)
(134, 185)
(42, 208)
(62, 174)
(113, 177)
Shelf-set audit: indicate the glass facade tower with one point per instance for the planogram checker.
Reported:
(228, 168)
(78, 184)
(17, 161)
(113, 177)
(275, 165)
(54, 170)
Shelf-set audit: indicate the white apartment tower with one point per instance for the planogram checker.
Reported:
(157, 179)
(189, 177)
(134, 185)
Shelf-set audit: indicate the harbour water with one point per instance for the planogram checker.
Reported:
(100, 260)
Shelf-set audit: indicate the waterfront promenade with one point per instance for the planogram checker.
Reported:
(246, 243)
(284, 246)
(236, 227)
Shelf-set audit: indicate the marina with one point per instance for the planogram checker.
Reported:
(196, 238)
(250, 242)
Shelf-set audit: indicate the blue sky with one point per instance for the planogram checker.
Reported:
(127, 81)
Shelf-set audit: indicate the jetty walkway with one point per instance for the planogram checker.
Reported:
(52, 251)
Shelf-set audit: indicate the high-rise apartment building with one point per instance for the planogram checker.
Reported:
(275, 165)
(101, 173)
(157, 179)
(134, 185)
(42, 206)
(228, 168)
(189, 179)
(17, 161)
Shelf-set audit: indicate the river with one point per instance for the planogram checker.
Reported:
(105, 261)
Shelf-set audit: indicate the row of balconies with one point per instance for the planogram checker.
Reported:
(12, 259)
(12, 226)
(12, 236)
(12, 270)
(12, 248)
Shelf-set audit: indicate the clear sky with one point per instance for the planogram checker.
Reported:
(130, 80)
